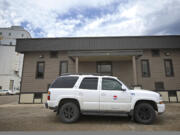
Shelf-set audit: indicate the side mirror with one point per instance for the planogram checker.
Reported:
(123, 89)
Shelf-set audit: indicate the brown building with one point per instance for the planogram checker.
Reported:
(150, 62)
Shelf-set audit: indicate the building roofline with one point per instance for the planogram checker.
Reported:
(98, 43)
(7, 45)
(91, 37)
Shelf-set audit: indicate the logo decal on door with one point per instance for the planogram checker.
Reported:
(115, 97)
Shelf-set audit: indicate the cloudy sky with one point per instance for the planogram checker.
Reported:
(65, 18)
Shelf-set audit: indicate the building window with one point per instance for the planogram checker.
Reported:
(155, 52)
(63, 67)
(159, 85)
(9, 34)
(40, 69)
(0, 87)
(145, 68)
(22, 35)
(53, 54)
(172, 93)
(10, 43)
(89, 83)
(0, 33)
(104, 68)
(37, 95)
(11, 84)
(168, 67)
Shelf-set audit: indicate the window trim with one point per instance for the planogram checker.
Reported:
(111, 79)
(102, 63)
(60, 64)
(172, 67)
(37, 69)
(149, 75)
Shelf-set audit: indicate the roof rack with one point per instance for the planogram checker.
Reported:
(65, 74)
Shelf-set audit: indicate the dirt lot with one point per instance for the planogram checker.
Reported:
(29, 117)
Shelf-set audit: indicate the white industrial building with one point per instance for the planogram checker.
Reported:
(11, 61)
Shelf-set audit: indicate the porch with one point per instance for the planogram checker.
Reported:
(119, 63)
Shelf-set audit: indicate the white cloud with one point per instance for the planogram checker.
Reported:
(135, 17)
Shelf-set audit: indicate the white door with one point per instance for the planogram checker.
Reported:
(89, 94)
(112, 97)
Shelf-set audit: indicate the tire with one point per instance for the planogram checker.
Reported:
(69, 112)
(144, 113)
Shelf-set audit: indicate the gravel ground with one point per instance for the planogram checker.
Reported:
(31, 117)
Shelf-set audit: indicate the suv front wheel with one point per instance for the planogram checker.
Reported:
(69, 112)
(144, 113)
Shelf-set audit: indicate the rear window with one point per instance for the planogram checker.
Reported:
(64, 82)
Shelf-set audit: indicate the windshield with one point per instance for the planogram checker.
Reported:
(126, 87)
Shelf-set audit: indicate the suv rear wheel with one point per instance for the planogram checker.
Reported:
(69, 112)
(144, 113)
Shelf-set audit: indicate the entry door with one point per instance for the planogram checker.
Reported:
(112, 97)
(89, 94)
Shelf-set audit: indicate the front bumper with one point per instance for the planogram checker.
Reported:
(161, 108)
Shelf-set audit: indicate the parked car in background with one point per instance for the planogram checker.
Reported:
(9, 92)
(15, 92)
(5, 92)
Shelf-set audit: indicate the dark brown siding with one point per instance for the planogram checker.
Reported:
(121, 69)
(30, 83)
(158, 72)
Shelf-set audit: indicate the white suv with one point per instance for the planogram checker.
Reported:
(72, 95)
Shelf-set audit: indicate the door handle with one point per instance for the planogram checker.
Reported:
(103, 94)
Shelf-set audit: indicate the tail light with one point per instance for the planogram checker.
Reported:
(48, 98)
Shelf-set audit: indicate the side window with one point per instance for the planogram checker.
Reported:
(111, 84)
(64, 82)
(168, 67)
(145, 68)
(63, 67)
(89, 83)
(40, 70)
(11, 84)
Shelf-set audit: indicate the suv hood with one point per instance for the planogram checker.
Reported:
(146, 93)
